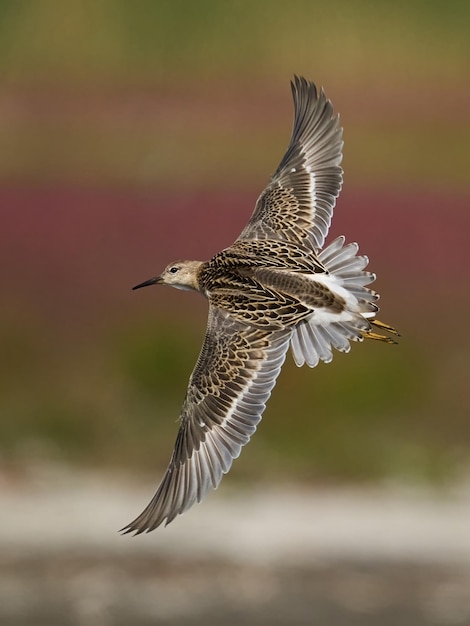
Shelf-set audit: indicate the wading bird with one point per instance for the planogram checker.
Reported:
(275, 287)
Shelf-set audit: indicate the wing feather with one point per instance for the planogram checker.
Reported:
(227, 393)
(297, 205)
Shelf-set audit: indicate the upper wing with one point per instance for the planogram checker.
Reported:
(227, 393)
(298, 203)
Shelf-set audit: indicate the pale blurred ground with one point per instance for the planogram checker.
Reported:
(134, 133)
(378, 555)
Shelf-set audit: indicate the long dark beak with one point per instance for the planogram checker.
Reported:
(147, 283)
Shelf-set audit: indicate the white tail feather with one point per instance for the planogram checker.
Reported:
(313, 338)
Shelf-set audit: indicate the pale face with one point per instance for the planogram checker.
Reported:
(180, 274)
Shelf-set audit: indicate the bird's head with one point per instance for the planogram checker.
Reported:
(180, 274)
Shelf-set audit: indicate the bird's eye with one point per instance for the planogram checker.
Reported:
(173, 270)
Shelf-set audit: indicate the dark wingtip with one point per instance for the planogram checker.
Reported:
(127, 530)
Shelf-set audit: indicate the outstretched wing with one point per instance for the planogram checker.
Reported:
(227, 393)
(298, 203)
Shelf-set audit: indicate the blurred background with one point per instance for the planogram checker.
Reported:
(137, 133)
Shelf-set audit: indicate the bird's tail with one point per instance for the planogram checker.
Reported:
(313, 338)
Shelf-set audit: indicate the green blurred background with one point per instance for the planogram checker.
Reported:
(136, 133)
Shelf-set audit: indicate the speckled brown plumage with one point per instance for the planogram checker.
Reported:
(274, 288)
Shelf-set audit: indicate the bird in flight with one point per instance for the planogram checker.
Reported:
(276, 287)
